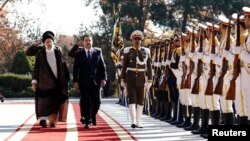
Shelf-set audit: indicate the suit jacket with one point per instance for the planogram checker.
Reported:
(85, 72)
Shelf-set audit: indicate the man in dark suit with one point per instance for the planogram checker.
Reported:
(89, 75)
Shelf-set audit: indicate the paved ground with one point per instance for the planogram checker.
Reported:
(15, 114)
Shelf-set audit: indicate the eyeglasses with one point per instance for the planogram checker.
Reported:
(137, 38)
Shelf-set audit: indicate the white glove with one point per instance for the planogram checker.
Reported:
(149, 84)
(122, 83)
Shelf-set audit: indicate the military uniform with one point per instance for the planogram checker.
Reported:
(240, 100)
(136, 71)
(227, 105)
(245, 68)
(245, 78)
(177, 70)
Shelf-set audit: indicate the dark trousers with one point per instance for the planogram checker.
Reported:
(90, 101)
(136, 94)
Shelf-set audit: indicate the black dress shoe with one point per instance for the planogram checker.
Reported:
(133, 125)
(94, 121)
(52, 125)
(86, 126)
(82, 121)
(43, 123)
(138, 126)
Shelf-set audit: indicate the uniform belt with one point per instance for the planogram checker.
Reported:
(135, 69)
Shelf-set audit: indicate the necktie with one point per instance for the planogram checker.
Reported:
(89, 56)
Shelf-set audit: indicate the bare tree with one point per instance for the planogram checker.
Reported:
(13, 37)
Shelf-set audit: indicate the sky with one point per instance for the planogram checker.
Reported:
(60, 16)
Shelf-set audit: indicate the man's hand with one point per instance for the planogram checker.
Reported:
(34, 86)
(103, 83)
(37, 43)
(75, 85)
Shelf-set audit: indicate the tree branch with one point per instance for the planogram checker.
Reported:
(4, 4)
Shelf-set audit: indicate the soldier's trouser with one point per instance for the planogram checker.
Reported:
(136, 94)
(226, 105)
(182, 96)
(135, 113)
(195, 100)
(203, 100)
(187, 97)
(132, 111)
(194, 97)
(139, 109)
(246, 95)
(240, 100)
(213, 102)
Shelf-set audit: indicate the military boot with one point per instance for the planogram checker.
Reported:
(195, 124)
(204, 122)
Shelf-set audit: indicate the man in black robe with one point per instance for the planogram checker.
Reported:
(50, 81)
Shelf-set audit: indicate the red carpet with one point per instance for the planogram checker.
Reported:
(101, 132)
(47, 134)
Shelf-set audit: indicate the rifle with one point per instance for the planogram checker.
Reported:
(156, 69)
(184, 67)
(219, 86)
(236, 66)
(191, 64)
(162, 80)
(196, 87)
(209, 89)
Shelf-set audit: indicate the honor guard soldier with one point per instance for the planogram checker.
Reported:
(226, 104)
(245, 64)
(136, 75)
(240, 98)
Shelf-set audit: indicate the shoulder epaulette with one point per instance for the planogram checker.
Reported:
(147, 50)
(126, 50)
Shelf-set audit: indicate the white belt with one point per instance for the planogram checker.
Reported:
(135, 69)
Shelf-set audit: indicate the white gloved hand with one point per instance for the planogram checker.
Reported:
(122, 83)
(149, 84)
